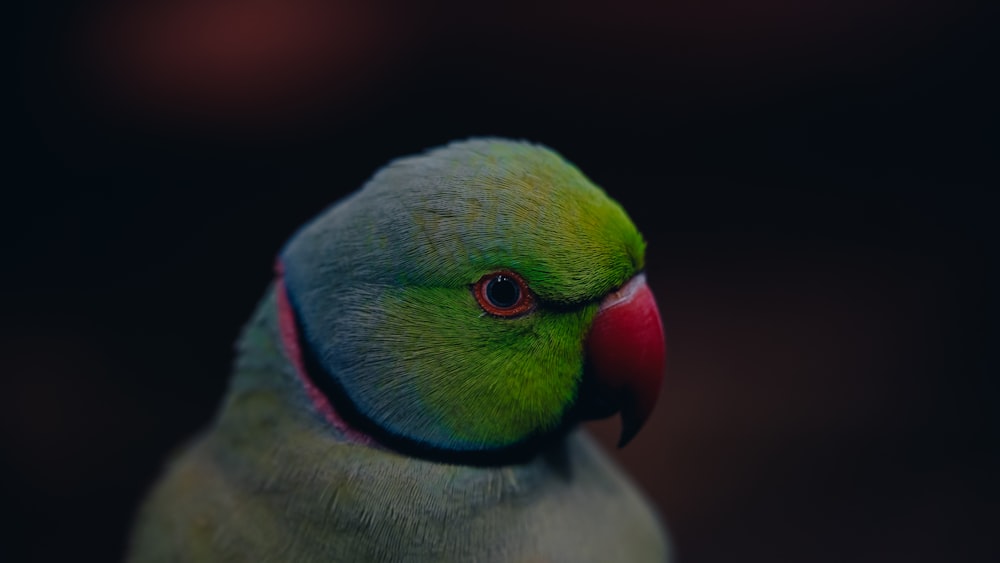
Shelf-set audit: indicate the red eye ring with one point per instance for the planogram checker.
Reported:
(504, 294)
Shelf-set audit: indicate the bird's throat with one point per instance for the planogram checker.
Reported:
(291, 343)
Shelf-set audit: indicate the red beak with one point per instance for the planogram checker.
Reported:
(627, 353)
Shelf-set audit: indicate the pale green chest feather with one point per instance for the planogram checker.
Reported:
(268, 482)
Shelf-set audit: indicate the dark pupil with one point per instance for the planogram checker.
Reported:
(502, 292)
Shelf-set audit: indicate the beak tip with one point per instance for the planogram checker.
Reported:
(630, 428)
(626, 437)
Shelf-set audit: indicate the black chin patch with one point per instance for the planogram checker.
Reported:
(594, 401)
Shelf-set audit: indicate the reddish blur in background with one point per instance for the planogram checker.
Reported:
(815, 180)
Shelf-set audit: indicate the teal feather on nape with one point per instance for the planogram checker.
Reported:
(305, 367)
(382, 285)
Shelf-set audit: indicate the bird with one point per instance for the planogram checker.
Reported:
(412, 384)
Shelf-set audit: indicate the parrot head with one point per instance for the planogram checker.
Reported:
(471, 303)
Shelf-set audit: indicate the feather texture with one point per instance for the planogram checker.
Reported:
(371, 342)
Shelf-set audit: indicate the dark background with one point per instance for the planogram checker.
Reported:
(816, 181)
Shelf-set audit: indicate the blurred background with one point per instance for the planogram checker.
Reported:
(816, 180)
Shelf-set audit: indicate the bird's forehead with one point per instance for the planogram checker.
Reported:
(534, 213)
(450, 216)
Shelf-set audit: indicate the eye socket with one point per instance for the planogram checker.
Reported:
(503, 294)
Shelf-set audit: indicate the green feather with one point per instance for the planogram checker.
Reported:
(526, 369)
(382, 281)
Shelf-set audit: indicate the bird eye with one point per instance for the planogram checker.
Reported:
(503, 294)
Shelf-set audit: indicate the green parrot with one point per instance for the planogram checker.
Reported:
(411, 385)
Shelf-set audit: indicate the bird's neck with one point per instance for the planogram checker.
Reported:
(269, 361)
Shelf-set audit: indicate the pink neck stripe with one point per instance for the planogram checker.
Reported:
(290, 343)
